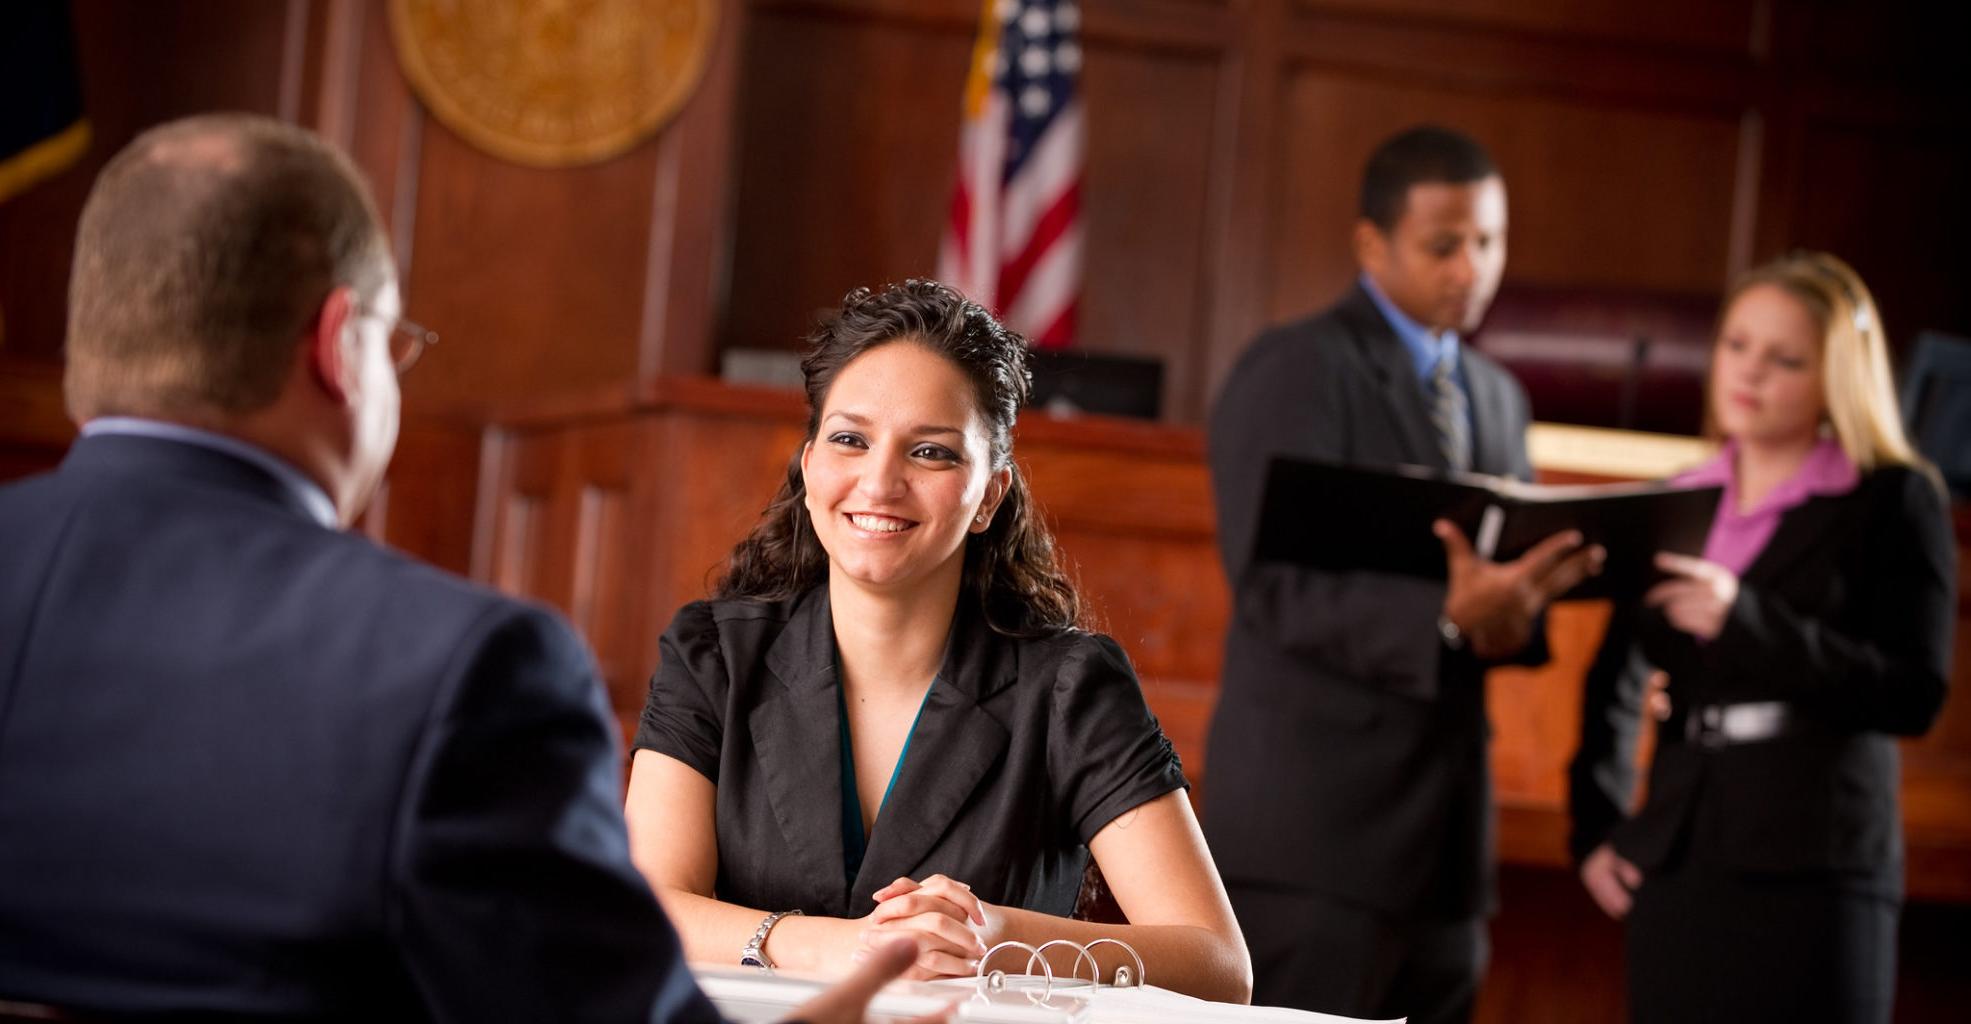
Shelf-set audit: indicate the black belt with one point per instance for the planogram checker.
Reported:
(1724, 725)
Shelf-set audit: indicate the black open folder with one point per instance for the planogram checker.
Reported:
(1351, 518)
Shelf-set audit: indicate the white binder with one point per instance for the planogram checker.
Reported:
(994, 996)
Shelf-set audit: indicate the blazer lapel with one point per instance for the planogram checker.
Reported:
(1402, 395)
(956, 744)
(796, 737)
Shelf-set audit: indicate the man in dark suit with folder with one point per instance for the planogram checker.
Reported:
(1349, 803)
(252, 766)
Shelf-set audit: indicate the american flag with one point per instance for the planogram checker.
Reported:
(1013, 243)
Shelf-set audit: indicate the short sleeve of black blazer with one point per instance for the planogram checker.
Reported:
(1106, 752)
(683, 716)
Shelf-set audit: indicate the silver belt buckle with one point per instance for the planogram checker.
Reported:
(1717, 725)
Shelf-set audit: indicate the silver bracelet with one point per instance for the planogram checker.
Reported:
(754, 955)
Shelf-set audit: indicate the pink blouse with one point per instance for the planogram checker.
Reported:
(1737, 537)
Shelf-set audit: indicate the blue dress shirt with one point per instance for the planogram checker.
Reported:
(1425, 348)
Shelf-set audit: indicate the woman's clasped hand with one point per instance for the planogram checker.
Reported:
(952, 926)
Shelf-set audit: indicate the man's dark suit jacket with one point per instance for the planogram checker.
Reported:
(1348, 751)
(251, 766)
(1846, 616)
(1024, 750)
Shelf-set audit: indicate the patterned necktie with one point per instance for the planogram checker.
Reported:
(1450, 415)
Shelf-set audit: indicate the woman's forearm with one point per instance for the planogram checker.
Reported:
(715, 932)
(1183, 958)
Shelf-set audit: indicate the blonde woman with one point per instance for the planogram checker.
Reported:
(1762, 877)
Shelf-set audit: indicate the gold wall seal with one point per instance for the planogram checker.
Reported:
(553, 82)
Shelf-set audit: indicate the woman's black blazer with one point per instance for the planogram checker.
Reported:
(1846, 616)
(1023, 751)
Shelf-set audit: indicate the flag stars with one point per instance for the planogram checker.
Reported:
(1035, 22)
(1067, 18)
(1067, 57)
(1034, 101)
(1035, 61)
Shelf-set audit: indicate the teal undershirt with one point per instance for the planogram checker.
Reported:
(855, 842)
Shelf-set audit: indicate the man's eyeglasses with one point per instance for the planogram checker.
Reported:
(408, 339)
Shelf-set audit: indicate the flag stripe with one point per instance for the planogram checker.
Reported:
(1051, 288)
(1059, 333)
(1059, 218)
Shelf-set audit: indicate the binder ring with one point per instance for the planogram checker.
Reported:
(1122, 976)
(996, 981)
(1081, 954)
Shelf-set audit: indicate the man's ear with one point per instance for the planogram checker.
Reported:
(1371, 246)
(328, 364)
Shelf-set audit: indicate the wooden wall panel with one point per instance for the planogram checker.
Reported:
(1714, 25)
(848, 137)
(383, 127)
(1139, 101)
(1648, 206)
(565, 251)
(1889, 198)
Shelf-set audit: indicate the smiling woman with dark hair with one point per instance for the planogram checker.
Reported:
(887, 721)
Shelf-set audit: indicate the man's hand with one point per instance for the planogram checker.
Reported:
(1494, 603)
(847, 1001)
(1611, 880)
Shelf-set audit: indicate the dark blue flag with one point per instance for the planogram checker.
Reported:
(42, 130)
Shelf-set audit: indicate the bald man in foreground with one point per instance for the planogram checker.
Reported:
(252, 765)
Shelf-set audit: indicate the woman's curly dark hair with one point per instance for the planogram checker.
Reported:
(1011, 570)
